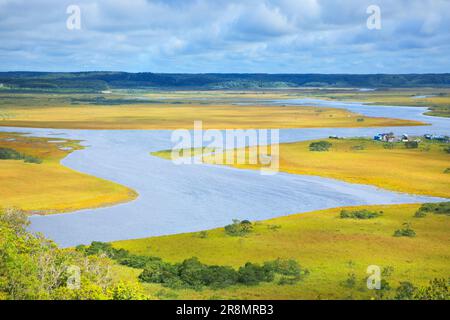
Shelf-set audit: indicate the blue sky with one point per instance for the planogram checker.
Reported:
(197, 36)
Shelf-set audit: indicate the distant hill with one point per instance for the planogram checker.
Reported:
(96, 81)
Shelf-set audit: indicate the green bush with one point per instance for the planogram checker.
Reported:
(11, 154)
(320, 146)
(438, 289)
(34, 268)
(436, 208)
(420, 214)
(411, 144)
(447, 170)
(405, 291)
(193, 274)
(239, 228)
(406, 231)
(253, 274)
(359, 214)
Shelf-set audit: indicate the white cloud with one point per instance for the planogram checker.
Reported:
(225, 35)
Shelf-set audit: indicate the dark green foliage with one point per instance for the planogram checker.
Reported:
(436, 208)
(253, 274)
(360, 120)
(218, 277)
(239, 228)
(350, 282)
(359, 214)
(160, 272)
(34, 268)
(411, 144)
(191, 273)
(406, 231)
(11, 154)
(122, 256)
(420, 214)
(97, 81)
(447, 170)
(447, 149)
(405, 291)
(320, 146)
(384, 290)
(438, 289)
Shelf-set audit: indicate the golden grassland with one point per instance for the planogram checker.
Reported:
(364, 161)
(436, 99)
(331, 248)
(50, 187)
(183, 116)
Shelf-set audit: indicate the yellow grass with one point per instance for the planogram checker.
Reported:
(416, 171)
(50, 187)
(183, 116)
(328, 246)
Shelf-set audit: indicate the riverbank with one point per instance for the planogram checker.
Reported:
(47, 187)
(336, 252)
(182, 116)
(393, 166)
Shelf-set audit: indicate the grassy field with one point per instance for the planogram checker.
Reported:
(176, 116)
(49, 187)
(437, 100)
(330, 247)
(417, 171)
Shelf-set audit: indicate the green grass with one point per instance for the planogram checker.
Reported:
(330, 247)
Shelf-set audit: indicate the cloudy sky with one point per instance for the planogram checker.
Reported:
(273, 36)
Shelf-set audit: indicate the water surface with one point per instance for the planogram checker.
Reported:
(174, 199)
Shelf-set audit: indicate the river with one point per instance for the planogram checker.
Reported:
(175, 199)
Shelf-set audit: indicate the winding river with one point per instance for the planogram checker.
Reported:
(175, 199)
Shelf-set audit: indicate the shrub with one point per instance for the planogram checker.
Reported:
(447, 170)
(239, 228)
(436, 208)
(388, 145)
(191, 273)
(405, 291)
(219, 277)
(411, 144)
(11, 154)
(438, 289)
(320, 146)
(420, 214)
(158, 272)
(359, 214)
(253, 274)
(406, 231)
(360, 120)
(202, 234)
(350, 282)
(284, 267)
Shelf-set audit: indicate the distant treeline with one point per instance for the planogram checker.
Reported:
(97, 81)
